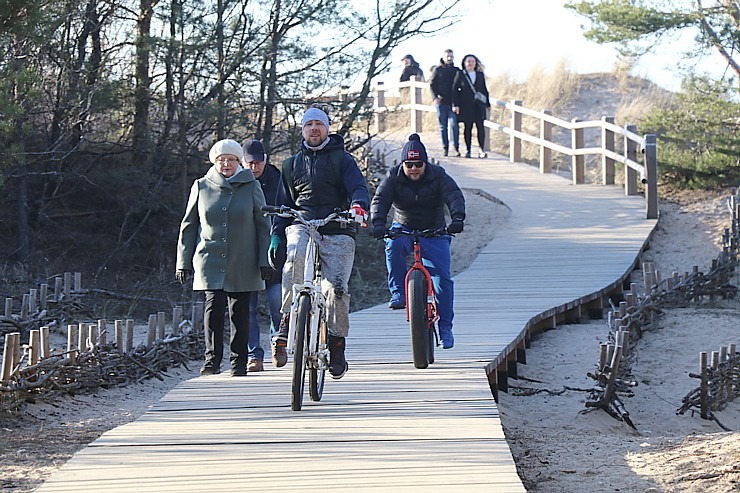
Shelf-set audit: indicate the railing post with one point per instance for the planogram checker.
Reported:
(578, 163)
(651, 176)
(607, 143)
(545, 152)
(630, 152)
(378, 104)
(414, 99)
(515, 143)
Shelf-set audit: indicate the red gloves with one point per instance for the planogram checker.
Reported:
(359, 215)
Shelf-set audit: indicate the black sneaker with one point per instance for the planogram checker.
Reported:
(209, 369)
(446, 152)
(337, 363)
(457, 152)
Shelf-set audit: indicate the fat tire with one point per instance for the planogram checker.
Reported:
(418, 324)
(299, 351)
(316, 376)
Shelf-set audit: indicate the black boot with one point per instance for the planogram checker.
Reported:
(337, 363)
(447, 151)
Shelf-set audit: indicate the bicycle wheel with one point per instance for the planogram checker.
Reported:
(417, 306)
(299, 352)
(431, 342)
(316, 375)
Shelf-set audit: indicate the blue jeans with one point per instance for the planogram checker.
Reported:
(435, 254)
(273, 293)
(445, 115)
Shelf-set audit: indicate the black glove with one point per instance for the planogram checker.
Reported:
(182, 275)
(266, 273)
(378, 231)
(455, 227)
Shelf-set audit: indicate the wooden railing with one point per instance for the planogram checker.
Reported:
(636, 148)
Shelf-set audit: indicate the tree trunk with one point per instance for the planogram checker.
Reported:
(141, 141)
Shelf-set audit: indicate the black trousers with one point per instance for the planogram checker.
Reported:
(480, 130)
(213, 326)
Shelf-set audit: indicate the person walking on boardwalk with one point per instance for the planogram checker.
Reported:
(223, 240)
(443, 76)
(470, 102)
(319, 178)
(411, 68)
(419, 192)
(268, 176)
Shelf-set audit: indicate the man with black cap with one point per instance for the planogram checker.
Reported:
(321, 177)
(419, 192)
(268, 176)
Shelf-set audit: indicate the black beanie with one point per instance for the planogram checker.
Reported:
(414, 150)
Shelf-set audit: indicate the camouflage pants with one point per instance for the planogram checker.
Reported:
(337, 254)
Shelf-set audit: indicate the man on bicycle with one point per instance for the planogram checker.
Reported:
(321, 177)
(419, 192)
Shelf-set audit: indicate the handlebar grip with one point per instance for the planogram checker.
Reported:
(273, 208)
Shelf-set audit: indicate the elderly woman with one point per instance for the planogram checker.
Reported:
(224, 238)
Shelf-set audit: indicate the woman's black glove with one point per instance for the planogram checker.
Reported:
(266, 273)
(182, 275)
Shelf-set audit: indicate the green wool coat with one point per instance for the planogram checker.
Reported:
(224, 236)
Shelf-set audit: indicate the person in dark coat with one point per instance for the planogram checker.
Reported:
(443, 77)
(411, 68)
(321, 177)
(419, 192)
(470, 110)
(223, 241)
(268, 176)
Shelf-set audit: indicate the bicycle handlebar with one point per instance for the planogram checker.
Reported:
(340, 216)
(416, 233)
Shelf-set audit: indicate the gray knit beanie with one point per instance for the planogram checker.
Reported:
(315, 114)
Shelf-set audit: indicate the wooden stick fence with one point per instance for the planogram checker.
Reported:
(627, 322)
(94, 356)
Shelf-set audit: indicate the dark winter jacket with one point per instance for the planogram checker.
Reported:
(418, 204)
(270, 181)
(412, 69)
(318, 187)
(441, 82)
(464, 97)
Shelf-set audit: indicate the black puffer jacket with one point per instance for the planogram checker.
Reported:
(441, 82)
(419, 205)
(317, 186)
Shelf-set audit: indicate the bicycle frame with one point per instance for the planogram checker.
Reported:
(311, 286)
(432, 314)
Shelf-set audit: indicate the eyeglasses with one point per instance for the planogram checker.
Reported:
(230, 160)
(414, 164)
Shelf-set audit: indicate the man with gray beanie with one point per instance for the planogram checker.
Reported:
(320, 177)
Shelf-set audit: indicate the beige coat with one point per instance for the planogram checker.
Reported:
(224, 236)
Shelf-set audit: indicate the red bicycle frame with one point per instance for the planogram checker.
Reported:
(432, 315)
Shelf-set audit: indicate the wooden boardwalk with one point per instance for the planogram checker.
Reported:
(387, 426)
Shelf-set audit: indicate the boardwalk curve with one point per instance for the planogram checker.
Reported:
(387, 426)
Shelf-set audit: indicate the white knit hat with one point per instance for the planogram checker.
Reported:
(226, 146)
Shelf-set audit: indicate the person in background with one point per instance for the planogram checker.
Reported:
(443, 76)
(320, 177)
(223, 240)
(268, 176)
(419, 192)
(470, 102)
(411, 67)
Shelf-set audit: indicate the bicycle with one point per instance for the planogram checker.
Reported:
(421, 301)
(308, 322)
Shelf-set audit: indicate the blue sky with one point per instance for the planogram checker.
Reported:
(491, 29)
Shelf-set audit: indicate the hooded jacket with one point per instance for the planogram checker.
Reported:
(418, 204)
(317, 186)
(224, 236)
(441, 82)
